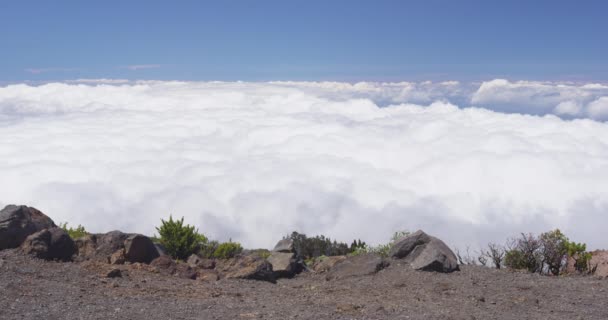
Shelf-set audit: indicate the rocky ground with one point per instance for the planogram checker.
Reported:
(38, 289)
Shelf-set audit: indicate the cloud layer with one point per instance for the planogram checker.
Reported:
(254, 161)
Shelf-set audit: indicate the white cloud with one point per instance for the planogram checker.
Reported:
(598, 109)
(540, 98)
(254, 161)
(571, 108)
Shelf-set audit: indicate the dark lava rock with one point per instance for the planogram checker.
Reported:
(114, 273)
(18, 222)
(424, 252)
(360, 265)
(50, 244)
(108, 243)
(248, 267)
(102, 247)
(139, 248)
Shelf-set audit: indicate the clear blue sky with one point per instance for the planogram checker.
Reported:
(303, 40)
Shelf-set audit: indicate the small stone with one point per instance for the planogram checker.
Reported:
(114, 273)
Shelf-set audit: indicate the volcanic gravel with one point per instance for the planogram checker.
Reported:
(37, 289)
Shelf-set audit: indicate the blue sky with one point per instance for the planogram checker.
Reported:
(304, 40)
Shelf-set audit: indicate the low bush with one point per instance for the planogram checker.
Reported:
(74, 233)
(179, 240)
(382, 249)
(311, 247)
(582, 258)
(227, 250)
(547, 253)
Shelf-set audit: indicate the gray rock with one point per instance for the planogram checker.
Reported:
(167, 266)
(361, 265)
(86, 245)
(424, 252)
(285, 245)
(139, 248)
(118, 257)
(193, 260)
(324, 264)
(50, 244)
(284, 265)
(18, 222)
(248, 267)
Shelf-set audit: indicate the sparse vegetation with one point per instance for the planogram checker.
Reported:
(317, 246)
(179, 240)
(227, 250)
(495, 253)
(382, 249)
(582, 258)
(74, 233)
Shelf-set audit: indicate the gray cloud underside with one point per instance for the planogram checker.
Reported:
(254, 161)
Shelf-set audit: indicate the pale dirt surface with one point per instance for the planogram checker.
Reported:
(36, 289)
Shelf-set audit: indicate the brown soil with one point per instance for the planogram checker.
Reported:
(36, 289)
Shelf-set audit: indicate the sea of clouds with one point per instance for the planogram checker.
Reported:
(470, 163)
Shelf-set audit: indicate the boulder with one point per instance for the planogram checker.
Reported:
(324, 264)
(86, 246)
(118, 257)
(360, 265)
(285, 245)
(195, 261)
(424, 252)
(102, 247)
(248, 267)
(167, 266)
(108, 243)
(284, 265)
(18, 222)
(598, 263)
(50, 244)
(139, 248)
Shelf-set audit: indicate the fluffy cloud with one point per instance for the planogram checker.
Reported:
(254, 161)
(540, 98)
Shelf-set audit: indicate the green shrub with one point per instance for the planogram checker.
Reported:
(382, 249)
(311, 247)
(207, 249)
(578, 252)
(179, 240)
(227, 250)
(554, 250)
(74, 233)
(514, 259)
